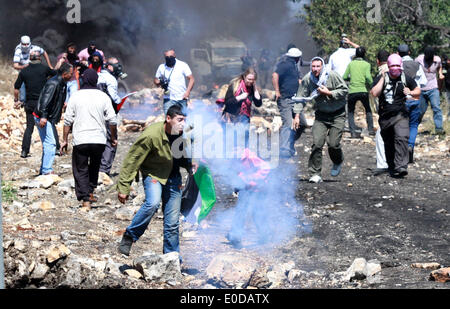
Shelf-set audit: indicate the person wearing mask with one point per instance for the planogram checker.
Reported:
(107, 82)
(48, 113)
(152, 155)
(34, 77)
(392, 89)
(70, 56)
(431, 64)
(96, 62)
(382, 166)
(22, 59)
(88, 51)
(328, 91)
(413, 70)
(358, 73)
(171, 76)
(88, 111)
(241, 93)
(285, 81)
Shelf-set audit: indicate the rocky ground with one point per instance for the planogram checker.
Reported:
(366, 231)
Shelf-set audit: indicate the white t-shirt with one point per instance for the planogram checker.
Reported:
(340, 59)
(177, 78)
(104, 77)
(88, 110)
(24, 58)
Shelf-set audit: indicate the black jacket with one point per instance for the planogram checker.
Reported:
(51, 100)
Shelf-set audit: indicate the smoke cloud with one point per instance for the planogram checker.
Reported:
(137, 32)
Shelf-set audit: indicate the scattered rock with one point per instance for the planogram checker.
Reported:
(133, 273)
(430, 266)
(44, 205)
(125, 214)
(230, 270)
(56, 253)
(23, 224)
(46, 181)
(159, 268)
(361, 269)
(39, 271)
(441, 275)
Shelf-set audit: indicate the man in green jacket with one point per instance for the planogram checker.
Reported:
(158, 154)
(358, 72)
(328, 91)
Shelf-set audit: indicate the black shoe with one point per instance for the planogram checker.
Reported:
(24, 154)
(439, 132)
(400, 173)
(379, 171)
(411, 155)
(125, 244)
(372, 133)
(355, 135)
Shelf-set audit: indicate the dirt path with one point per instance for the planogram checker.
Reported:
(397, 222)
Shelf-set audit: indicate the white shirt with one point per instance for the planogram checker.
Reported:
(104, 77)
(177, 78)
(88, 110)
(340, 59)
(24, 58)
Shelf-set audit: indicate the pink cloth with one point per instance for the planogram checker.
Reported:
(84, 55)
(246, 104)
(255, 170)
(430, 72)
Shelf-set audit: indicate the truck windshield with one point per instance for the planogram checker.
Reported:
(229, 52)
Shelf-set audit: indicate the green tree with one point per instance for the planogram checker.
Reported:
(417, 23)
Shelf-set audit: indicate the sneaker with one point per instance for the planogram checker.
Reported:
(24, 154)
(315, 179)
(379, 171)
(125, 244)
(372, 133)
(439, 132)
(336, 170)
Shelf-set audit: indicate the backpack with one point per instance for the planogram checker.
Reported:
(411, 68)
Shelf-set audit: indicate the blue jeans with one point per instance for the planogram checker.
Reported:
(169, 103)
(414, 111)
(171, 202)
(432, 96)
(48, 146)
(72, 87)
(22, 93)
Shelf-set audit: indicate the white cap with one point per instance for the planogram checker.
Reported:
(25, 39)
(294, 53)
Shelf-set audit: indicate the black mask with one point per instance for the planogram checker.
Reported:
(72, 57)
(91, 50)
(96, 64)
(170, 61)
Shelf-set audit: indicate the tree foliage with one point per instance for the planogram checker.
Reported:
(418, 23)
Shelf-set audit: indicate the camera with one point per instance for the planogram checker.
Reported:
(164, 83)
